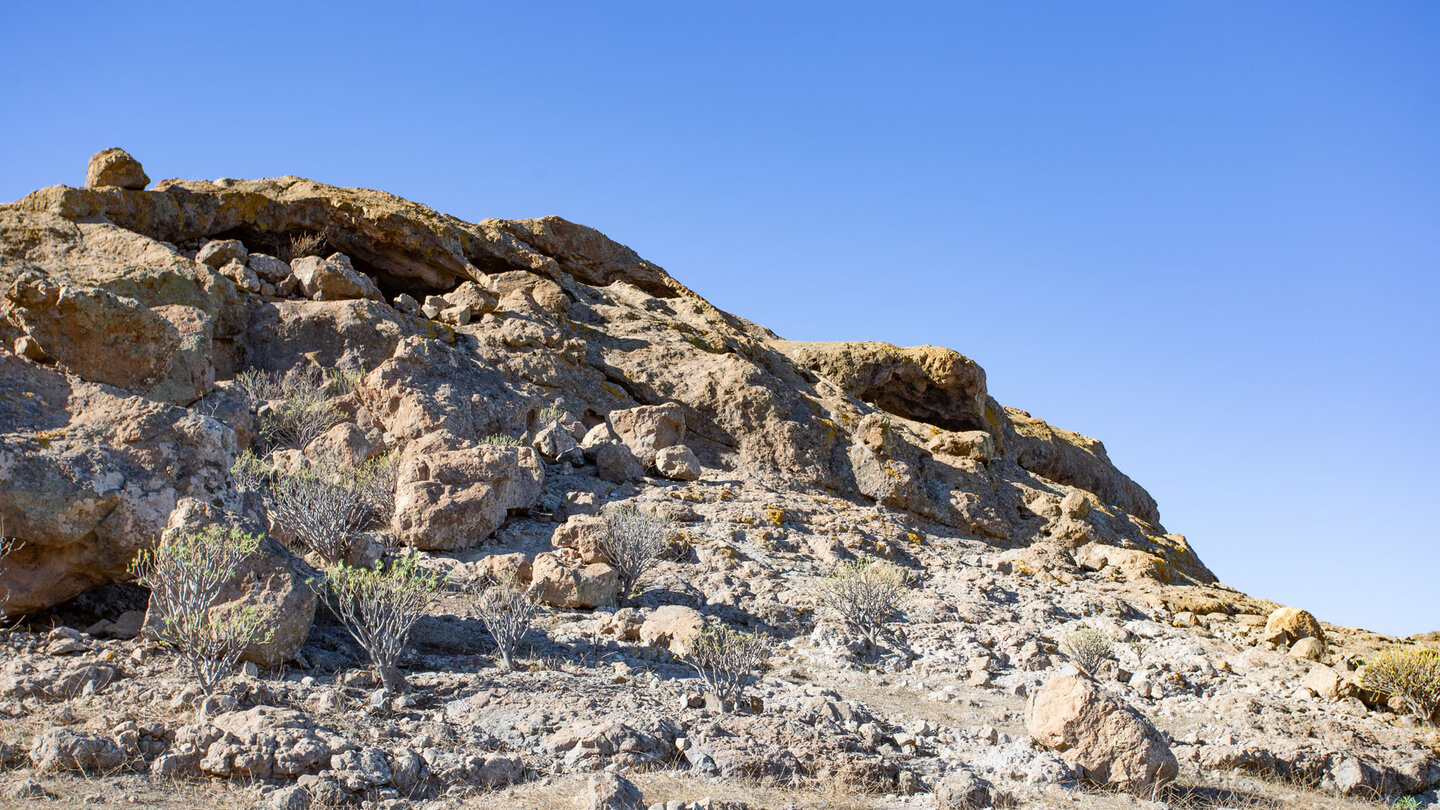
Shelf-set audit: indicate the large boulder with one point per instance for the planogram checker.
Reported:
(1110, 743)
(562, 580)
(428, 386)
(115, 167)
(449, 496)
(106, 338)
(1287, 625)
(333, 279)
(648, 429)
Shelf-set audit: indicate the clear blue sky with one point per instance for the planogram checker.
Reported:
(1207, 233)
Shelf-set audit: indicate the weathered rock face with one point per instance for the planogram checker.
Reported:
(535, 312)
(1110, 743)
(92, 477)
(1070, 458)
(925, 383)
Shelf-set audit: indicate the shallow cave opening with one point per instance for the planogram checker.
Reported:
(282, 245)
(101, 603)
(930, 407)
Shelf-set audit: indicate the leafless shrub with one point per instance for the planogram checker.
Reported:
(260, 386)
(376, 480)
(323, 508)
(379, 606)
(300, 245)
(186, 576)
(507, 610)
(1410, 674)
(726, 660)
(863, 596)
(1087, 648)
(633, 542)
(298, 419)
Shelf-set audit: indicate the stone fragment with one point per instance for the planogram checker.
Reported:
(63, 749)
(219, 252)
(563, 581)
(678, 463)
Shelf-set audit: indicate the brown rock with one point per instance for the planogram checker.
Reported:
(1287, 625)
(669, 626)
(115, 167)
(333, 279)
(450, 497)
(649, 429)
(678, 463)
(565, 582)
(1110, 743)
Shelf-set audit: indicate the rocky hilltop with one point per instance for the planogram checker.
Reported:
(522, 377)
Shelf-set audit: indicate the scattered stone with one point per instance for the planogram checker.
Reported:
(610, 791)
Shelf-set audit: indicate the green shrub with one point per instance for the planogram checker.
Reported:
(339, 382)
(1411, 674)
(186, 576)
(552, 413)
(863, 596)
(1087, 648)
(499, 440)
(249, 472)
(726, 660)
(379, 606)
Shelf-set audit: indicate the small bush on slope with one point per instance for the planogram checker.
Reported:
(506, 609)
(186, 576)
(379, 606)
(1087, 648)
(1412, 675)
(633, 542)
(863, 596)
(726, 660)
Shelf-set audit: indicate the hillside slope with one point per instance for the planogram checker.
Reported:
(522, 377)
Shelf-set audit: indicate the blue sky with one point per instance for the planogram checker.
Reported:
(1204, 232)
